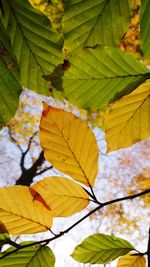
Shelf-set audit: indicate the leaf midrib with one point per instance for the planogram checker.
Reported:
(96, 20)
(109, 248)
(21, 216)
(88, 182)
(115, 77)
(37, 251)
(120, 132)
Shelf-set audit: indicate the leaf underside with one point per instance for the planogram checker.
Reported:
(4, 238)
(145, 25)
(131, 261)
(20, 213)
(29, 257)
(63, 196)
(10, 87)
(69, 144)
(101, 248)
(36, 45)
(88, 23)
(127, 120)
(96, 77)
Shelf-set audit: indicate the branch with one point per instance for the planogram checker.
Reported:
(29, 144)
(27, 175)
(14, 140)
(44, 170)
(100, 206)
(24, 153)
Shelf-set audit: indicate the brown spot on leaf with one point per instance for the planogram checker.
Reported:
(3, 228)
(46, 110)
(66, 65)
(37, 197)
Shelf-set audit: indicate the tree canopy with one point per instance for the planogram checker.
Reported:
(95, 55)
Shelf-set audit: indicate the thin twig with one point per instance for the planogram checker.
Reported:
(29, 144)
(44, 170)
(24, 153)
(100, 206)
(14, 140)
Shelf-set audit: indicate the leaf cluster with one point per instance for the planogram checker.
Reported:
(70, 145)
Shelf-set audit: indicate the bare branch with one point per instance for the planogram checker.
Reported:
(44, 170)
(29, 144)
(14, 140)
(27, 175)
(22, 161)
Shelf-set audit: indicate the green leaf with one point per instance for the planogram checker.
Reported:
(101, 248)
(10, 87)
(88, 23)
(96, 77)
(4, 238)
(145, 25)
(29, 257)
(36, 45)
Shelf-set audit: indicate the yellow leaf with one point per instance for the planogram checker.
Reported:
(65, 197)
(20, 213)
(131, 261)
(69, 144)
(127, 121)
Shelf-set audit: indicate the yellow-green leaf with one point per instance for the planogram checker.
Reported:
(132, 261)
(94, 78)
(127, 120)
(69, 144)
(101, 248)
(10, 87)
(20, 213)
(92, 22)
(145, 26)
(63, 196)
(36, 45)
(32, 256)
(4, 239)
